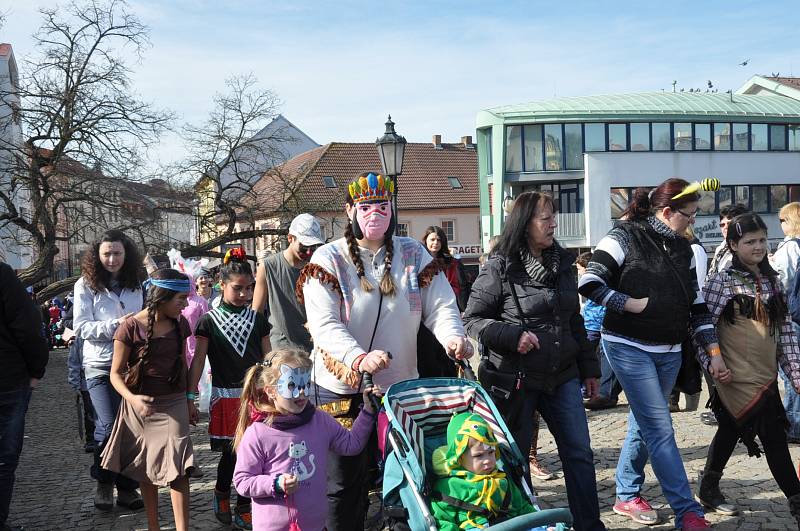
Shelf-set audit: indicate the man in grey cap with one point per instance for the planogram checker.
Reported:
(276, 277)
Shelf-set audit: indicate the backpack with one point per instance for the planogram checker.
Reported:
(793, 296)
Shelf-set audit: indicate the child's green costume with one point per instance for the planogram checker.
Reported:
(465, 500)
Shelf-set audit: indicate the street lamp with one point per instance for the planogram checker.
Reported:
(391, 149)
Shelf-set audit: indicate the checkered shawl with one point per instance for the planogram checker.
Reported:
(723, 286)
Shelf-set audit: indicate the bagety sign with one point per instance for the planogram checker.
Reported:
(472, 249)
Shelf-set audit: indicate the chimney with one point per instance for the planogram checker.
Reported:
(467, 141)
(437, 142)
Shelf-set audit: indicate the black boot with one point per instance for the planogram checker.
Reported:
(794, 508)
(709, 495)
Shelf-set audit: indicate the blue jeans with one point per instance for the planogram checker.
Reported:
(609, 384)
(105, 401)
(791, 403)
(648, 378)
(13, 406)
(566, 419)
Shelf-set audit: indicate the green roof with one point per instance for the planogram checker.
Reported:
(648, 106)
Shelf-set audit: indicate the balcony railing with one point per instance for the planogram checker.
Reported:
(571, 225)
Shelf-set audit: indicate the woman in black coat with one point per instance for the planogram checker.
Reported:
(524, 309)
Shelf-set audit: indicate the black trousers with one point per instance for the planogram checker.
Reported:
(227, 462)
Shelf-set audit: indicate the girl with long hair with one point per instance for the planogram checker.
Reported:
(435, 240)
(108, 292)
(748, 306)
(282, 443)
(150, 440)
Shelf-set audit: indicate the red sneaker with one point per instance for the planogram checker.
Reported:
(637, 510)
(693, 521)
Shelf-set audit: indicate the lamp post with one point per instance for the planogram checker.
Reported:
(391, 149)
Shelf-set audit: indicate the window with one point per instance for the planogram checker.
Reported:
(758, 137)
(794, 138)
(794, 193)
(778, 196)
(741, 137)
(725, 196)
(707, 204)
(454, 182)
(449, 228)
(620, 197)
(329, 181)
(777, 137)
(743, 195)
(513, 148)
(722, 137)
(661, 137)
(617, 137)
(552, 147)
(640, 137)
(569, 197)
(402, 229)
(573, 144)
(682, 136)
(702, 136)
(485, 142)
(533, 148)
(595, 137)
(760, 196)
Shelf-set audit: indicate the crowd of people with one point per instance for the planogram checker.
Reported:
(289, 344)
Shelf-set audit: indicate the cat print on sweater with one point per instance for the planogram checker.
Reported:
(299, 469)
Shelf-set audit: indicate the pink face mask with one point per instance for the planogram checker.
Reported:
(374, 218)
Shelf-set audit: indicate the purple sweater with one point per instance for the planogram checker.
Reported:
(266, 452)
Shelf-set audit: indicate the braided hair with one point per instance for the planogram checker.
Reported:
(387, 282)
(156, 296)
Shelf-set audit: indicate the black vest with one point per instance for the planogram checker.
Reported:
(647, 272)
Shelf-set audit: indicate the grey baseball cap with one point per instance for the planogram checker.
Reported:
(305, 228)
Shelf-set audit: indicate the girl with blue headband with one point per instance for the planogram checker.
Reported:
(150, 440)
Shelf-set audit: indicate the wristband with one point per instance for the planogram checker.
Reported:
(357, 363)
(191, 396)
(714, 351)
(277, 485)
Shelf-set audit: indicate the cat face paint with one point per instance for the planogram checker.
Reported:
(293, 381)
(374, 218)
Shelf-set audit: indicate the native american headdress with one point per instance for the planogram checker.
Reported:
(371, 187)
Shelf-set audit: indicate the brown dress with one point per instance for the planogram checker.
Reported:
(156, 449)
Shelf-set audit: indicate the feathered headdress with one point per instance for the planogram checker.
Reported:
(371, 188)
(236, 254)
(706, 185)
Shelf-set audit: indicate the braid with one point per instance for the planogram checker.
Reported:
(151, 319)
(355, 256)
(387, 282)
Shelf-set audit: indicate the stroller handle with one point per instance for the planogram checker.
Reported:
(366, 377)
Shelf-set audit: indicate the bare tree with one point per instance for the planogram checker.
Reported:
(81, 128)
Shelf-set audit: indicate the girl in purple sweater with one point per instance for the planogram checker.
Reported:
(282, 443)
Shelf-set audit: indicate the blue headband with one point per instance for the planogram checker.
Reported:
(181, 286)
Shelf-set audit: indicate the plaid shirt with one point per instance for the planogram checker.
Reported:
(726, 284)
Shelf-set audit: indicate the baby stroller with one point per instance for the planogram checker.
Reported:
(418, 412)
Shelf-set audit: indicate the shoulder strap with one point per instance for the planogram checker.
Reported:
(465, 506)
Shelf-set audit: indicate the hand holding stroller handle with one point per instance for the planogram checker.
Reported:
(366, 378)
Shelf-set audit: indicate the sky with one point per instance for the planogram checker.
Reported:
(340, 67)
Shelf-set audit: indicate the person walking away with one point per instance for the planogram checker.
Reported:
(150, 439)
(749, 309)
(643, 272)
(787, 260)
(108, 292)
(276, 282)
(23, 357)
(524, 308)
(234, 337)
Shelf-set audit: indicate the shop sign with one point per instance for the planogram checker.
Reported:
(469, 249)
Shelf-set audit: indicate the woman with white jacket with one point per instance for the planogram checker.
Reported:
(108, 292)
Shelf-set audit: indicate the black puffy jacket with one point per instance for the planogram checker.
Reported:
(553, 314)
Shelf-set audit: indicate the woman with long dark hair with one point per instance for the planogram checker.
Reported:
(365, 297)
(643, 272)
(524, 309)
(748, 305)
(108, 292)
(435, 240)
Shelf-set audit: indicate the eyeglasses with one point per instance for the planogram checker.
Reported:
(693, 215)
(782, 220)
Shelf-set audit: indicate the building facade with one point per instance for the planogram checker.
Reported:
(590, 153)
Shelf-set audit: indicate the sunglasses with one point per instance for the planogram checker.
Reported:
(307, 250)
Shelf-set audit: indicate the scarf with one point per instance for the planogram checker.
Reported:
(284, 422)
(663, 229)
(546, 271)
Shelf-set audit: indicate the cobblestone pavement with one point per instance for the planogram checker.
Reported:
(54, 490)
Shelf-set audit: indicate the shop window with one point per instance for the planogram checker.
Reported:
(702, 137)
(778, 196)
(573, 143)
(682, 136)
(661, 137)
(794, 138)
(640, 137)
(760, 197)
(617, 137)
(743, 195)
(777, 137)
(533, 148)
(449, 228)
(707, 204)
(725, 196)
(553, 143)
(794, 193)
(758, 137)
(620, 198)
(741, 137)
(595, 137)
(722, 137)
(513, 148)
